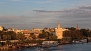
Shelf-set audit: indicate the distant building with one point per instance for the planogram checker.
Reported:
(27, 33)
(14, 30)
(59, 31)
(1, 28)
(34, 29)
(9, 29)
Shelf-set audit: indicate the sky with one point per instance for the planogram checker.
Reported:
(28, 14)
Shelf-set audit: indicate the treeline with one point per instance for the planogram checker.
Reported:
(77, 34)
(10, 35)
(7, 35)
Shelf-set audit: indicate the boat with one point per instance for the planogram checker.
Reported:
(50, 43)
(79, 41)
(42, 49)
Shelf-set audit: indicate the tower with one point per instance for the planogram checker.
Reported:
(59, 32)
(58, 27)
(77, 27)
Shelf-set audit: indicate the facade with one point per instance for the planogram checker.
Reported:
(14, 30)
(34, 29)
(27, 33)
(59, 31)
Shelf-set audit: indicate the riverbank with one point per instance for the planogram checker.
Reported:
(66, 47)
(26, 45)
(17, 46)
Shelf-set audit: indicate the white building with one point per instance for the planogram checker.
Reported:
(14, 30)
(35, 29)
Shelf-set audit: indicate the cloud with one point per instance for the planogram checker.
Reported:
(70, 17)
(48, 1)
(10, 20)
(88, 7)
(45, 11)
(16, 0)
(3, 2)
(19, 0)
(46, 18)
(53, 0)
(14, 22)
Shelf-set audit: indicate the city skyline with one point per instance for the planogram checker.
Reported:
(28, 14)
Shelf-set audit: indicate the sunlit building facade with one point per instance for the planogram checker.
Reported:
(59, 31)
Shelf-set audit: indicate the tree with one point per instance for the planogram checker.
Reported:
(1, 35)
(53, 37)
(12, 34)
(76, 34)
(33, 36)
(67, 34)
(42, 36)
(20, 36)
(45, 34)
(71, 28)
(85, 32)
(8, 35)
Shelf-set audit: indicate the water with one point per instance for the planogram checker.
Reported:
(69, 47)
(74, 47)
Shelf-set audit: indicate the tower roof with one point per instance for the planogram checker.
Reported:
(77, 27)
(58, 25)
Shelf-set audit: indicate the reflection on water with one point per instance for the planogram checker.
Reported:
(69, 47)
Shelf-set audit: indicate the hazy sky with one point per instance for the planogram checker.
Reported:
(28, 14)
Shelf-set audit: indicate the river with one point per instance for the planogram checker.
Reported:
(67, 47)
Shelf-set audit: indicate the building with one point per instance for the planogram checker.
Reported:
(35, 32)
(1, 28)
(35, 29)
(59, 31)
(14, 30)
(26, 33)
